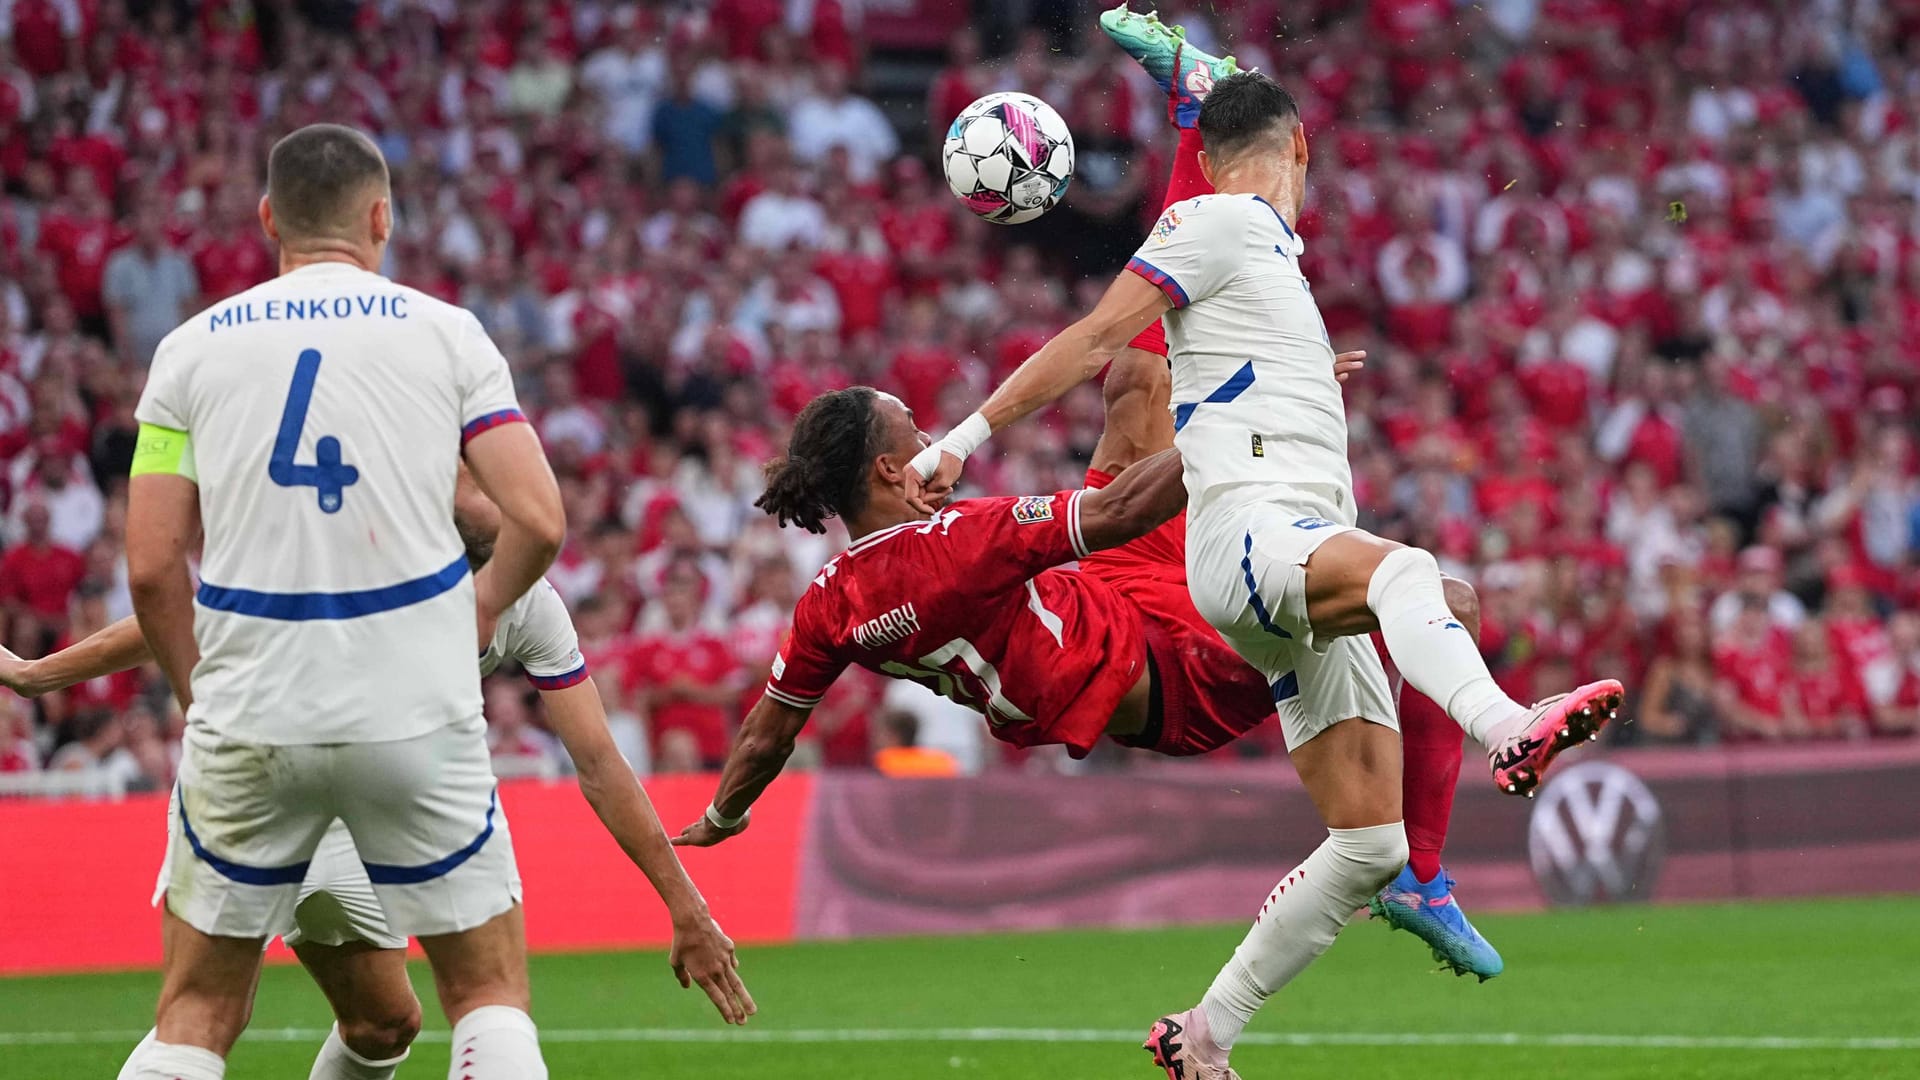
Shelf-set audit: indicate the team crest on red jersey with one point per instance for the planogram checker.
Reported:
(1033, 508)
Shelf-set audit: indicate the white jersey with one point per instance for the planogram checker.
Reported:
(537, 633)
(1254, 400)
(327, 409)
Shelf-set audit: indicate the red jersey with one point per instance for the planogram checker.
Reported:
(970, 605)
(231, 265)
(41, 579)
(658, 659)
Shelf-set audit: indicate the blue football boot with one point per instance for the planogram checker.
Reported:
(1429, 911)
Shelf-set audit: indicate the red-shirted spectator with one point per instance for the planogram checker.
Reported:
(683, 676)
(1754, 661)
(37, 578)
(78, 235)
(1824, 698)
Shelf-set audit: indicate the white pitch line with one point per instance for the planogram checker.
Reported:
(1068, 1035)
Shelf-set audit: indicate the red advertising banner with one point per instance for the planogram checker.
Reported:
(76, 877)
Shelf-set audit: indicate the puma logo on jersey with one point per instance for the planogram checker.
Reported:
(887, 628)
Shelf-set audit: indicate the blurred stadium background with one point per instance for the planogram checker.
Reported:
(1640, 281)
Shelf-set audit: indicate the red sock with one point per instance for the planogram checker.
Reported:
(1431, 747)
(1187, 179)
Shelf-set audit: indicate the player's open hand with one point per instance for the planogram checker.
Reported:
(703, 953)
(929, 494)
(704, 833)
(1346, 363)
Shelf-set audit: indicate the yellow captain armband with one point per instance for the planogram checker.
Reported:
(163, 450)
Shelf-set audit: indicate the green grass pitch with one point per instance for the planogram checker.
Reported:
(1767, 991)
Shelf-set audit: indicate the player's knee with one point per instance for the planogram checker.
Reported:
(1402, 571)
(384, 1033)
(1373, 855)
(1464, 603)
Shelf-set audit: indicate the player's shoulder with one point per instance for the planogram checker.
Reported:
(1211, 208)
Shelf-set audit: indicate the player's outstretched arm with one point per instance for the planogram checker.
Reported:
(702, 953)
(512, 469)
(163, 520)
(1069, 358)
(760, 751)
(1138, 501)
(105, 651)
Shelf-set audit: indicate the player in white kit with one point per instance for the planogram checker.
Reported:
(1274, 561)
(314, 426)
(339, 932)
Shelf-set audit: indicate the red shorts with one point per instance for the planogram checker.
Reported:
(1209, 696)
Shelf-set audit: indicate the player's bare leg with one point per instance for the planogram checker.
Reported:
(481, 976)
(1138, 424)
(1352, 772)
(206, 999)
(1358, 583)
(376, 1012)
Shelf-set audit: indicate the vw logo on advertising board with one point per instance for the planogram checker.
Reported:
(1596, 836)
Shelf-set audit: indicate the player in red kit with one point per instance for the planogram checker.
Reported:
(972, 602)
(1197, 695)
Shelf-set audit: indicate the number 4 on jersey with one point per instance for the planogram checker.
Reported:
(327, 475)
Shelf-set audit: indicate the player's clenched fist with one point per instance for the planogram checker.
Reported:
(930, 494)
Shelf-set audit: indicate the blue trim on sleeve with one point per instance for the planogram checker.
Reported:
(1253, 596)
(382, 874)
(1160, 278)
(233, 871)
(1276, 215)
(308, 607)
(1226, 392)
(490, 421)
(559, 682)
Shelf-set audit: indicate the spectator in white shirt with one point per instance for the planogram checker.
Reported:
(628, 75)
(783, 215)
(836, 116)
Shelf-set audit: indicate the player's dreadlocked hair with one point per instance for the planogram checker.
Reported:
(824, 473)
(1240, 109)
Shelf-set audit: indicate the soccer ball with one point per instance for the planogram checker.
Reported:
(1008, 157)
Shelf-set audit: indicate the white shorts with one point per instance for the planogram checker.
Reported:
(1246, 568)
(250, 852)
(336, 904)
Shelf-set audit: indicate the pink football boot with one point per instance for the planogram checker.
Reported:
(1182, 1045)
(1520, 760)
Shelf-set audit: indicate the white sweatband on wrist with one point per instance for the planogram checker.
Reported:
(961, 442)
(720, 821)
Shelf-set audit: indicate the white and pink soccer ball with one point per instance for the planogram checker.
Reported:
(1008, 157)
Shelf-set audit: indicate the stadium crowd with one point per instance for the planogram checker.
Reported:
(1640, 281)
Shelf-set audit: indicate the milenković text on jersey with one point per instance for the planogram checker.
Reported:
(1262, 432)
(322, 415)
(536, 633)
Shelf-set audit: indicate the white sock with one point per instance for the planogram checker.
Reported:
(1300, 919)
(338, 1061)
(496, 1042)
(1434, 653)
(155, 1060)
(133, 1059)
